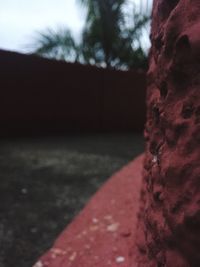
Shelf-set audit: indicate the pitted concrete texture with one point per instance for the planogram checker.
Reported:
(169, 221)
(104, 232)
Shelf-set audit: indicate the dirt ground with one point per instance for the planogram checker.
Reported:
(44, 182)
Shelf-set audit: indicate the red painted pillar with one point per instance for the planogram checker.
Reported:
(169, 219)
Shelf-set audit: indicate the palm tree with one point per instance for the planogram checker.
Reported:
(106, 38)
(106, 35)
(58, 44)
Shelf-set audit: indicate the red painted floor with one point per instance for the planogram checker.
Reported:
(103, 233)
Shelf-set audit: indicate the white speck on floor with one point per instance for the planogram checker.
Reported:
(73, 256)
(95, 220)
(120, 259)
(24, 191)
(38, 264)
(112, 227)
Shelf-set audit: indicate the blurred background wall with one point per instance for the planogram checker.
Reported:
(39, 95)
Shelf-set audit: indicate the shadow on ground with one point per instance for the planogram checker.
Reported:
(46, 181)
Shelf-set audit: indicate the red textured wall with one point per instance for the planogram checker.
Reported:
(40, 95)
(169, 221)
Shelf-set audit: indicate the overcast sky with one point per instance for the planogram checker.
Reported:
(20, 19)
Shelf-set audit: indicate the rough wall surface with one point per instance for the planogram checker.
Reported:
(170, 216)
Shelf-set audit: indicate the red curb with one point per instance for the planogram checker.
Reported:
(103, 233)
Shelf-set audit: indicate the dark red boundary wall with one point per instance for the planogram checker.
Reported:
(40, 95)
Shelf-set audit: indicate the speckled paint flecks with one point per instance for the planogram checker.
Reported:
(103, 233)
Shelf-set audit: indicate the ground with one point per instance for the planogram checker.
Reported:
(46, 181)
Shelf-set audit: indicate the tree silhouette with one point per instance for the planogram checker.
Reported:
(57, 44)
(107, 39)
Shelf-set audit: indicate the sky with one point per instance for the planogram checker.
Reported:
(21, 19)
